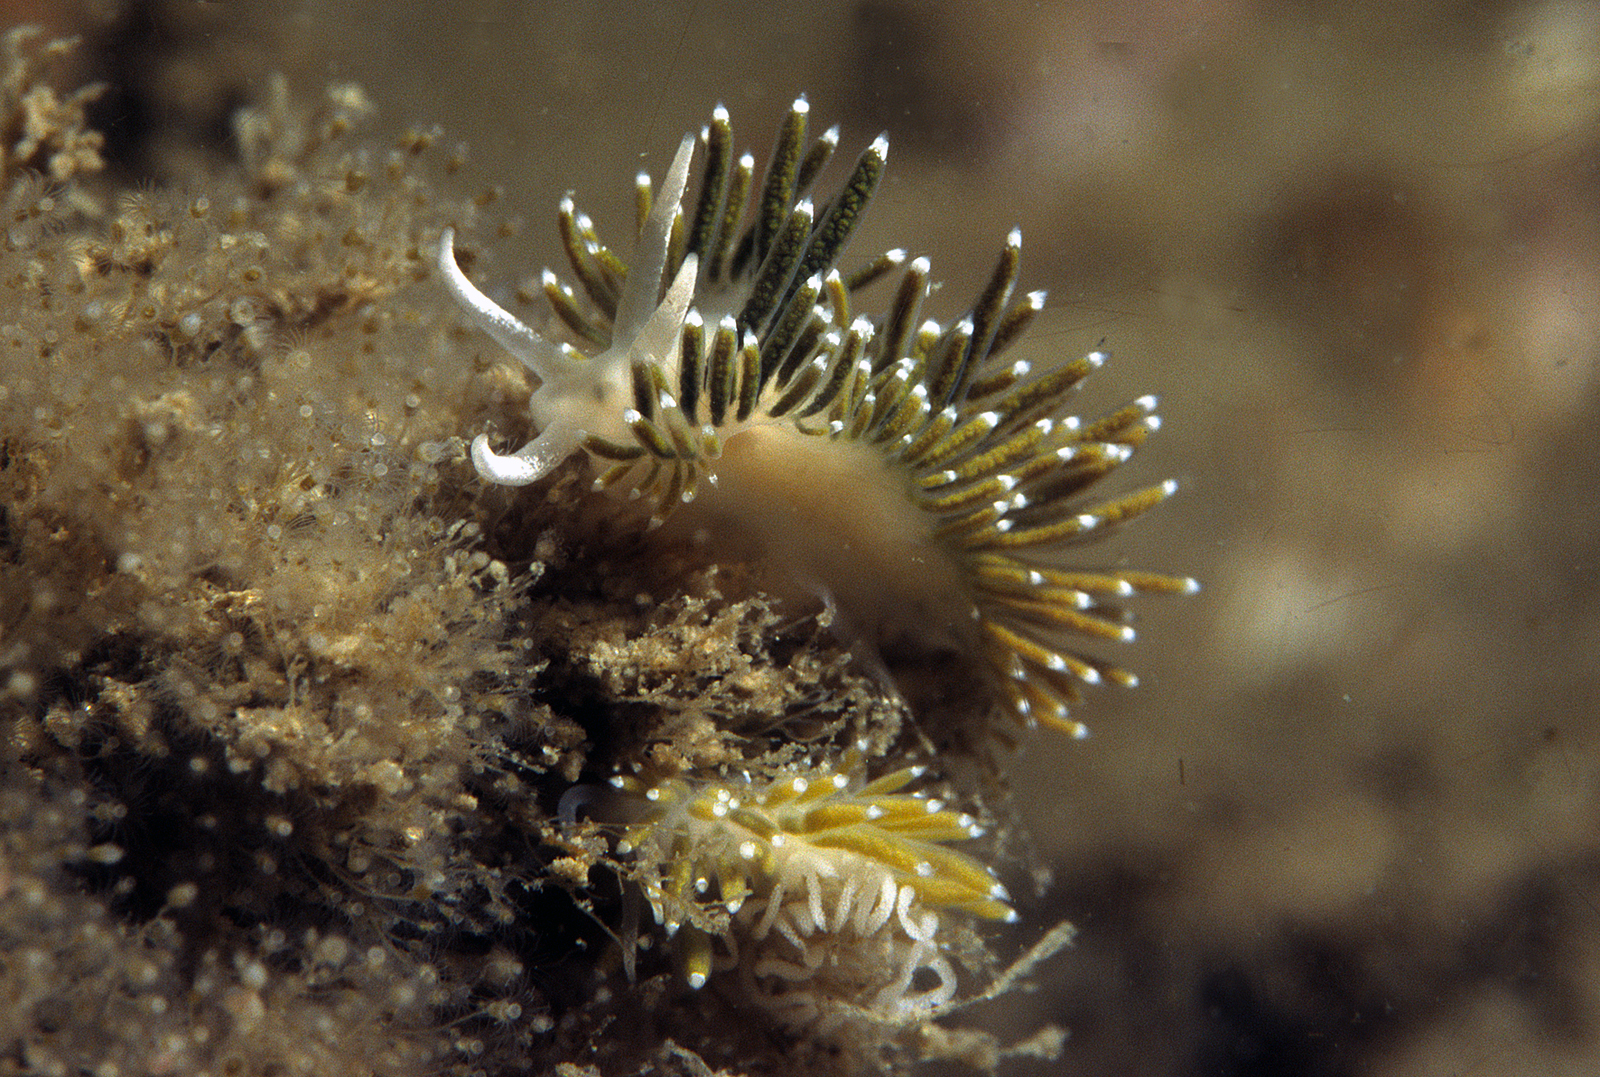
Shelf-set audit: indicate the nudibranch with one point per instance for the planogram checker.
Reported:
(899, 466)
(812, 876)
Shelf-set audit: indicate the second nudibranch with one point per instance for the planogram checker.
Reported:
(893, 463)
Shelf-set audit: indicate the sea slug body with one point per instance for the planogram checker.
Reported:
(900, 466)
(813, 876)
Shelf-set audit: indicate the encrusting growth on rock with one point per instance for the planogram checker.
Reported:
(44, 132)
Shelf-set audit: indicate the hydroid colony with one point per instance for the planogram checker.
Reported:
(894, 466)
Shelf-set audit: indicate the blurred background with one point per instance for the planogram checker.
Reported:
(1348, 824)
